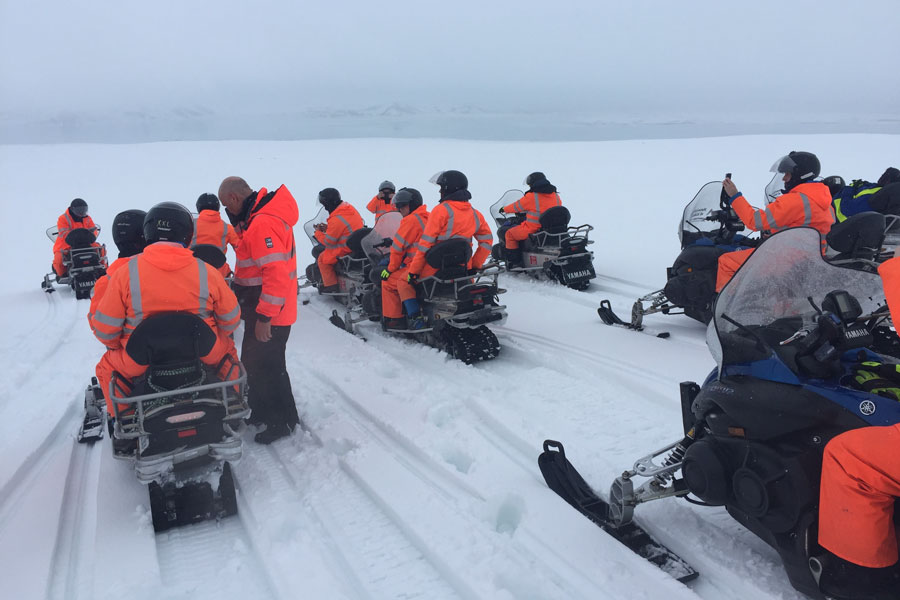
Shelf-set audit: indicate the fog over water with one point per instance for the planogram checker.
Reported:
(105, 70)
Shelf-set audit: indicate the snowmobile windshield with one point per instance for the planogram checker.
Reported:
(774, 188)
(377, 243)
(694, 221)
(768, 299)
(310, 226)
(506, 199)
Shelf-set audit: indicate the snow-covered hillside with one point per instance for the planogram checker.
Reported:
(418, 478)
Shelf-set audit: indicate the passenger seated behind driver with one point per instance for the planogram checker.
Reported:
(396, 291)
(166, 277)
(343, 219)
(861, 196)
(128, 235)
(804, 202)
(540, 197)
(75, 217)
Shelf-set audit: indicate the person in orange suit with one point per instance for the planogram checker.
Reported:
(128, 235)
(541, 196)
(165, 277)
(75, 217)
(396, 291)
(343, 219)
(454, 216)
(804, 202)
(265, 280)
(209, 228)
(381, 202)
(860, 488)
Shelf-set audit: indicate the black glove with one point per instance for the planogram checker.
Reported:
(412, 278)
(385, 274)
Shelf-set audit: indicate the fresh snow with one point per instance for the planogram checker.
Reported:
(418, 477)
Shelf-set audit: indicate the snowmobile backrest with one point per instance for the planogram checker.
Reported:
(354, 242)
(860, 235)
(211, 255)
(80, 238)
(170, 337)
(446, 255)
(555, 220)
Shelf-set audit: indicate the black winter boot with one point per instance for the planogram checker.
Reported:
(514, 258)
(843, 580)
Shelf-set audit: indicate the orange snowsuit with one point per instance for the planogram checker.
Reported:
(533, 205)
(806, 205)
(267, 257)
(861, 477)
(453, 218)
(100, 287)
(209, 228)
(343, 221)
(64, 224)
(379, 206)
(396, 289)
(165, 278)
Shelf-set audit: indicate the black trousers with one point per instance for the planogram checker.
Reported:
(270, 396)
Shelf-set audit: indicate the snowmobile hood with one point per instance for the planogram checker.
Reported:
(168, 256)
(279, 204)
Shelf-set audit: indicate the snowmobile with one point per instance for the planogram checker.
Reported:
(786, 333)
(556, 251)
(709, 228)
(84, 263)
(179, 423)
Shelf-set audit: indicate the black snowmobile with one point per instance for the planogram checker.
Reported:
(709, 228)
(786, 333)
(556, 251)
(84, 263)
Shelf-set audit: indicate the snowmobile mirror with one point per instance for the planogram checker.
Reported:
(843, 305)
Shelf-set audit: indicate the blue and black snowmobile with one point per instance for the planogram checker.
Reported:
(788, 333)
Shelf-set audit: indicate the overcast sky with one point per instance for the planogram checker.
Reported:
(632, 56)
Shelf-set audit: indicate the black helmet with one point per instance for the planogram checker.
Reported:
(128, 232)
(835, 184)
(387, 185)
(330, 198)
(408, 197)
(169, 222)
(450, 181)
(78, 207)
(535, 179)
(803, 167)
(890, 175)
(208, 202)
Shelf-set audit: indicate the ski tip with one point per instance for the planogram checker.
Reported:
(554, 446)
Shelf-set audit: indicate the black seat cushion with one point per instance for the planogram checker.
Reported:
(450, 258)
(555, 220)
(80, 238)
(354, 242)
(169, 338)
(863, 232)
(209, 254)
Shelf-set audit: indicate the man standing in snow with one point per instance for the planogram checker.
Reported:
(265, 281)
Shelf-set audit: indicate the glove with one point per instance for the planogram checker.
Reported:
(385, 274)
(501, 211)
(412, 278)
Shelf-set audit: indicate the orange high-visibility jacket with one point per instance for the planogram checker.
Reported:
(379, 206)
(64, 224)
(267, 256)
(406, 240)
(166, 277)
(808, 204)
(101, 284)
(209, 228)
(454, 218)
(533, 205)
(342, 221)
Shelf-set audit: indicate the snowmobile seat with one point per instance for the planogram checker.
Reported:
(211, 255)
(170, 337)
(555, 220)
(80, 238)
(354, 242)
(450, 258)
(859, 237)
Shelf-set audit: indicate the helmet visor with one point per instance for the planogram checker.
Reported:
(435, 177)
(774, 188)
(80, 210)
(785, 164)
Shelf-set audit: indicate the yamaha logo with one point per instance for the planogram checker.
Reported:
(867, 407)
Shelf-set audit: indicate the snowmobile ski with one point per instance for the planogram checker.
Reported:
(610, 318)
(564, 479)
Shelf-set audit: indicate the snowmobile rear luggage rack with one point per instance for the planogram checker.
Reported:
(575, 233)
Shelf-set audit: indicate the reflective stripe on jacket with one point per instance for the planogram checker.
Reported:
(165, 278)
(533, 205)
(808, 204)
(379, 206)
(267, 256)
(342, 221)
(454, 218)
(406, 240)
(101, 284)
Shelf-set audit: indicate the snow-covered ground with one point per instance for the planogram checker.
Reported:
(419, 477)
